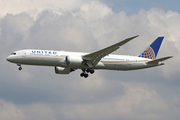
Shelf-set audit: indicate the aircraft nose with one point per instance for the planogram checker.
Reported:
(8, 58)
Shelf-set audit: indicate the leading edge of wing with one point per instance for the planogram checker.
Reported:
(95, 57)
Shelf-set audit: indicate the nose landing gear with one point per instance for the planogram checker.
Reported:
(20, 68)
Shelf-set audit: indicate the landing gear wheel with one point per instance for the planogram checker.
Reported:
(92, 71)
(18, 64)
(88, 70)
(86, 75)
(20, 68)
(82, 74)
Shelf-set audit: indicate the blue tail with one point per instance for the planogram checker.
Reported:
(152, 51)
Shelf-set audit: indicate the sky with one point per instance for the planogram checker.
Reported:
(38, 93)
(133, 6)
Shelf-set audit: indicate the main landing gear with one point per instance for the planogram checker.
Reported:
(85, 71)
(20, 68)
(85, 75)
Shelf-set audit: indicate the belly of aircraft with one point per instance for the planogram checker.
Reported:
(122, 66)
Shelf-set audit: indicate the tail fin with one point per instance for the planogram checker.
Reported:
(152, 51)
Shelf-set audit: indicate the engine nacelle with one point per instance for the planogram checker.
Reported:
(62, 70)
(74, 60)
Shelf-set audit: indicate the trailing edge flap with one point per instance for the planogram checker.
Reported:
(159, 60)
(93, 58)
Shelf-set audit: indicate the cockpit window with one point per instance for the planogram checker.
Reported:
(13, 53)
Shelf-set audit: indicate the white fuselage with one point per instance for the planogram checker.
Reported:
(58, 58)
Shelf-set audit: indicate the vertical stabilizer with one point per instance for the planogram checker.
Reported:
(152, 51)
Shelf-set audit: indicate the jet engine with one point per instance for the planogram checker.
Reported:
(62, 70)
(73, 60)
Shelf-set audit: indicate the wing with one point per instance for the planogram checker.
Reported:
(93, 58)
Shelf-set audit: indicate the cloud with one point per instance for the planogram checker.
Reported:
(94, 11)
(34, 7)
(9, 111)
(38, 111)
(140, 101)
(86, 26)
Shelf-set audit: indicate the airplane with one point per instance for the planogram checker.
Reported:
(66, 62)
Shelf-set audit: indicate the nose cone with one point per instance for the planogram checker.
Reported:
(12, 59)
(9, 58)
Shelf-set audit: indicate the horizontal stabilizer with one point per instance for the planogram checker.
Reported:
(159, 60)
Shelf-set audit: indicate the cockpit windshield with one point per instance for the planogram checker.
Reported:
(13, 53)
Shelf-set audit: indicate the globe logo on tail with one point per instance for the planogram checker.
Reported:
(148, 53)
